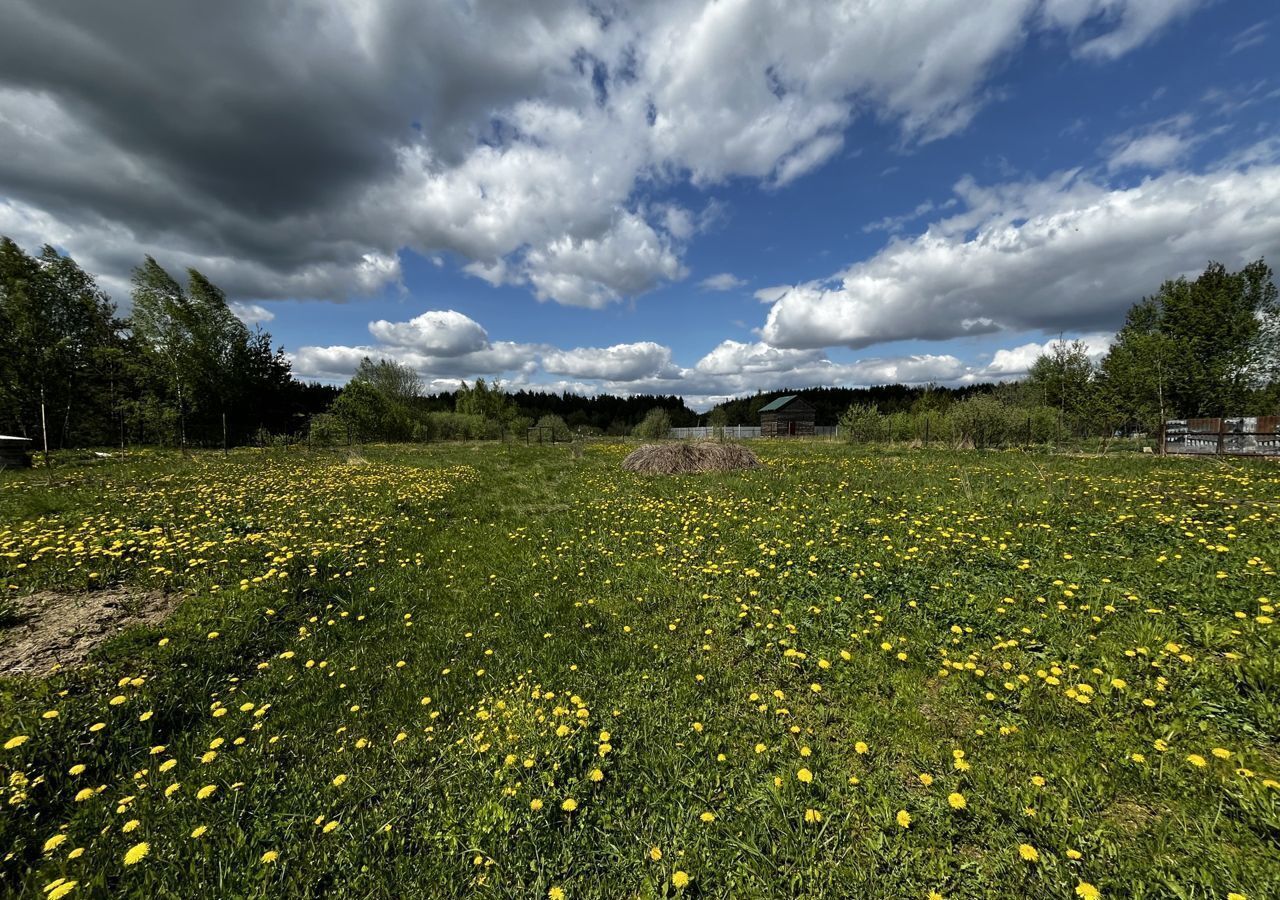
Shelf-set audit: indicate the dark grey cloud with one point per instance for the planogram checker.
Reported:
(292, 148)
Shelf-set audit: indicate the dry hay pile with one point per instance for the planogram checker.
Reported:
(681, 457)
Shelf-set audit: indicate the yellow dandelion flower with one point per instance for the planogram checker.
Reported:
(569, 804)
(708, 817)
(655, 853)
(53, 842)
(680, 879)
(1086, 891)
(269, 857)
(16, 741)
(556, 893)
(903, 818)
(1028, 853)
(136, 853)
(59, 889)
(805, 776)
(206, 792)
(956, 801)
(339, 780)
(199, 831)
(535, 804)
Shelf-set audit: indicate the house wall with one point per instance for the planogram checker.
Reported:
(777, 424)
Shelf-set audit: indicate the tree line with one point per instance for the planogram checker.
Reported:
(1205, 347)
(181, 369)
(830, 402)
(385, 401)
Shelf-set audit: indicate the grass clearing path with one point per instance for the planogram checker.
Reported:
(494, 671)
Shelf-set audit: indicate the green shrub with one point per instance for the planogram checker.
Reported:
(559, 431)
(862, 423)
(656, 426)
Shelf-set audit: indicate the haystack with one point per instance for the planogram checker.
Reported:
(682, 457)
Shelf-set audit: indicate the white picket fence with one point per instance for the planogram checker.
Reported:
(739, 432)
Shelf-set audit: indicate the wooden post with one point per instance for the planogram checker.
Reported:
(1161, 434)
(1222, 436)
(224, 434)
(44, 428)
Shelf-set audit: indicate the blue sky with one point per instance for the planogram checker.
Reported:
(685, 197)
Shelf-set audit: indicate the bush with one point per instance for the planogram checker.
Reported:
(861, 423)
(447, 426)
(327, 430)
(656, 426)
(902, 426)
(559, 430)
(717, 420)
(985, 420)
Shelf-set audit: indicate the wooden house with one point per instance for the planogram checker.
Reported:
(787, 416)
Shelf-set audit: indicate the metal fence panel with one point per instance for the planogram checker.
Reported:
(1239, 436)
(742, 431)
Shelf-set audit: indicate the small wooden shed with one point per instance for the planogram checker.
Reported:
(14, 451)
(787, 416)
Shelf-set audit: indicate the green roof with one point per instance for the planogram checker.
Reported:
(778, 404)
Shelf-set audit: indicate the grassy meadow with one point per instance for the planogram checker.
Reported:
(487, 671)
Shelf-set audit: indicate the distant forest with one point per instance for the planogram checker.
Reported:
(182, 370)
(831, 402)
(606, 412)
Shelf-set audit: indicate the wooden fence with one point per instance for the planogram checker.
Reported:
(1242, 436)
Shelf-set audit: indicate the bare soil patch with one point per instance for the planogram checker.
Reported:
(54, 629)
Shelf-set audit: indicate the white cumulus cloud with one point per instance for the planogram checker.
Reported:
(526, 140)
(1065, 253)
(725, 281)
(437, 332)
(250, 313)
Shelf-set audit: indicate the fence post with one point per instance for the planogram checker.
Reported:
(1222, 437)
(926, 429)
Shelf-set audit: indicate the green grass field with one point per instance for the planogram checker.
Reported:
(506, 672)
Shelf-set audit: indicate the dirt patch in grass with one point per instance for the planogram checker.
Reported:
(1128, 817)
(50, 629)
